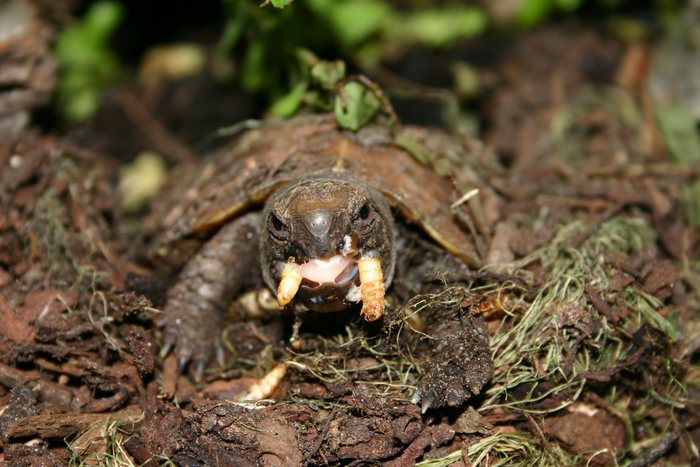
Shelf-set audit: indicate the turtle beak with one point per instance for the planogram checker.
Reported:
(318, 224)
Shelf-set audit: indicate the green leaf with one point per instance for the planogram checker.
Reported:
(409, 142)
(86, 42)
(533, 12)
(678, 127)
(290, 102)
(82, 104)
(360, 106)
(237, 15)
(693, 203)
(102, 19)
(467, 82)
(440, 27)
(88, 64)
(254, 70)
(280, 3)
(327, 74)
(355, 20)
(568, 5)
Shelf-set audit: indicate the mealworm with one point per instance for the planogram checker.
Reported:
(372, 287)
(289, 284)
(266, 385)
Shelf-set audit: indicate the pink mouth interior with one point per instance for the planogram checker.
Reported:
(326, 270)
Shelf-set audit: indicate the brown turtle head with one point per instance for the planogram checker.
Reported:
(324, 225)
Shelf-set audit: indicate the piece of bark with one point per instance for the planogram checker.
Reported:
(54, 395)
(12, 326)
(51, 426)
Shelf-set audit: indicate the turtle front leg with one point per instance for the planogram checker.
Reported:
(196, 305)
(459, 360)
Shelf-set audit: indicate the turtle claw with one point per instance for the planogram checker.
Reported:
(449, 384)
(425, 398)
(425, 405)
(439, 390)
(199, 370)
(194, 360)
(425, 402)
(192, 343)
(458, 365)
(454, 399)
(182, 364)
(166, 348)
(220, 355)
(415, 398)
(190, 358)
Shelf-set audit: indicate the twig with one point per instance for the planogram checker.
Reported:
(658, 450)
(61, 425)
(165, 143)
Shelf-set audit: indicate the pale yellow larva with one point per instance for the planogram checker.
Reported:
(266, 385)
(289, 284)
(372, 287)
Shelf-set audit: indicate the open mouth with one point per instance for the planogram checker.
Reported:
(331, 283)
(338, 269)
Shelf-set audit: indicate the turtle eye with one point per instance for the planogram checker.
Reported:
(277, 228)
(364, 215)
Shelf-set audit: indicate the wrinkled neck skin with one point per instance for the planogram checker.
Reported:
(325, 223)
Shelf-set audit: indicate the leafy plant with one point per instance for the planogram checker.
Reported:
(355, 106)
(271, 41)
(324, 87)
(532, 12)
(87, 62)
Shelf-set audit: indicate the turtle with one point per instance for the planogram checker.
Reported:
(311, 211)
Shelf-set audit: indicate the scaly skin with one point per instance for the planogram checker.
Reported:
(459, 361)
(196, 305)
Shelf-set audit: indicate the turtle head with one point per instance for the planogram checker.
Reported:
(321, 228)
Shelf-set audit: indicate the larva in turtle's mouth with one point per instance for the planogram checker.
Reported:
(372, 288)
(339, 270)
(289, 284)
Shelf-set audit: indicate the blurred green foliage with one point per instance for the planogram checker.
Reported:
(326, 87)
(271, 40)
(280, 3)
(680, 132)
(88, 64)
(271, 43)
(531, 12)
(692, 203)
(352, 21)
(316, 81)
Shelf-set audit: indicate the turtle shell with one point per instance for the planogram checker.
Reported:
(241, 177)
